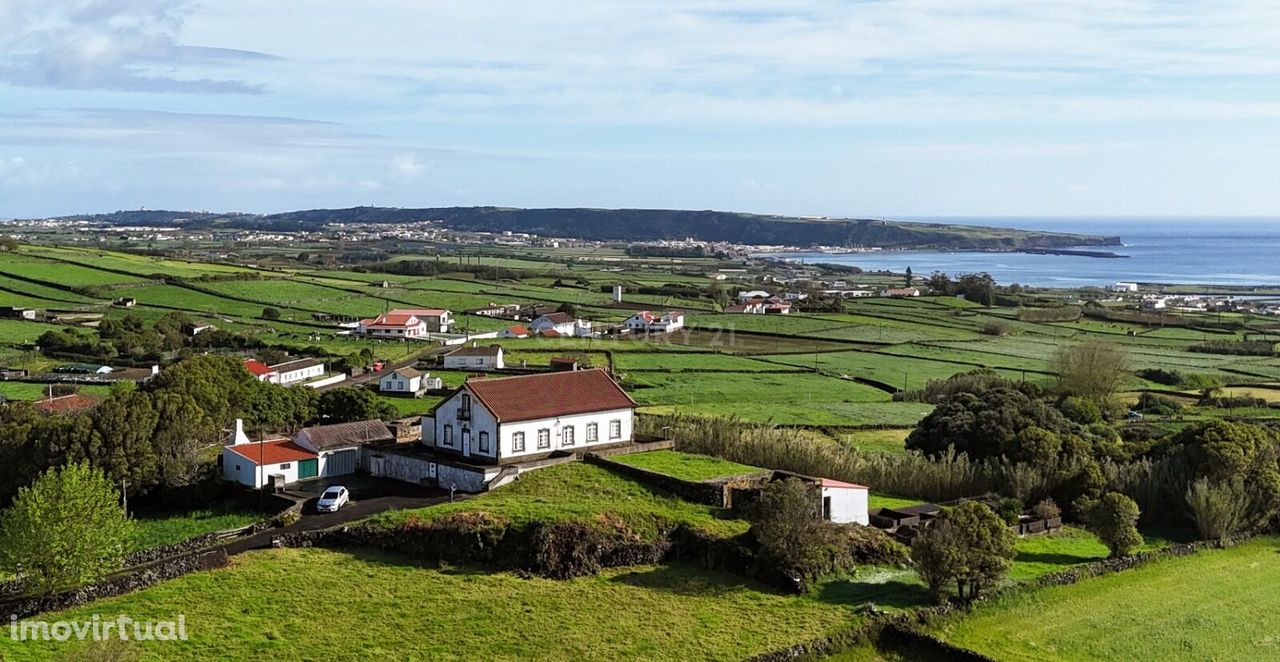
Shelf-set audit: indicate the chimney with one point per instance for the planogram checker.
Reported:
(238, 436)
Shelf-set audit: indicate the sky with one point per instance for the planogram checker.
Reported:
(880, 108)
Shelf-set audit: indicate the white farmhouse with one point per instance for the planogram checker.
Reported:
(562, 323)
(300, 370)
(747, 295)
(844, 503)
(408, 380)
(647, 322)
(393, 325)
(475, 358)
(496, 420)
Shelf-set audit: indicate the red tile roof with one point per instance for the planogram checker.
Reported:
(272, 452)
(257, 368)
(419, 312)
(66, 404)
(549, 333)
(548, 395)
(394, 319)
(518, 330)
(827, 482)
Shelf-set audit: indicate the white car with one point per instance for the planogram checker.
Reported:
(333, 498)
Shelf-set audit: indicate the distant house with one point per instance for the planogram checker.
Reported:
(748, 295)
(648, 322)
(844, 503)
(548, 333)
(901, 292)
(392, 325)
(338, 446)
(475, 358)
(564, 364)
(562, 323)
(298, 371)
(84, 369)
(517, 331)
(777, 306)
(498, 310)
(491, 420)
(125, 302)
(1124, 287)
(408, 380)
(749, 308)
(438, 320)
(194, 330)
(20, 313)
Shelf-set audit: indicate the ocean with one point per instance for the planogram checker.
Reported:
(1213, 251)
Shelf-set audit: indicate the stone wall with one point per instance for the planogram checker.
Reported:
(134, 580)
(711, 494)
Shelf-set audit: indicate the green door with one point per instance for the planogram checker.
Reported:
(308, 468)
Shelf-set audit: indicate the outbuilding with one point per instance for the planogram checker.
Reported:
(844, 503)
(338, 446)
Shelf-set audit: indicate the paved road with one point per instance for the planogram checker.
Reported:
(369, 497)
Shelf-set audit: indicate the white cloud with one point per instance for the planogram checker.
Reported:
(407, 166)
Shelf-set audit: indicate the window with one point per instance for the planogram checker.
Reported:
(544, 438)
(448, 435)
(237, 467)
(567, 436)
(517, 442)
(465, 410)
(484, 442)
(479, 360)
(615, 429)
(284, 466)
(593, 432)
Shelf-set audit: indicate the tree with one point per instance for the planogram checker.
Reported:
(1114, 519)
(66, 529)
(995, 421)
(181, 430)
(910, 276)
(345, 405)
(785, 521)
(940, 283)
(969, 545)
(978, 288)
(937, 553)
(9, 244)
(270, 313)
(1094, 369)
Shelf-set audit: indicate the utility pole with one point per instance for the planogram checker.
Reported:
(124, 495)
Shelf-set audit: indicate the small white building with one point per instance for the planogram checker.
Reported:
(748, 295)
(253, 463)
(900, 292)
(408, 380)
(475, 358)
(517, 331)
(562, 323)
(648, 322)
(844, 503)
(1124, 287)
(261, 371)
(301, 370)
(493, 420)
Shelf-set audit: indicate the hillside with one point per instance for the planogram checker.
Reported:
(641, 225)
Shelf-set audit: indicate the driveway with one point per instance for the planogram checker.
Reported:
(369, 496)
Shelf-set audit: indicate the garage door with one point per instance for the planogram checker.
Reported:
(341, 463)
(307, 469)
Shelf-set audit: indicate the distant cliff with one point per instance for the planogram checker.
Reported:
(643, 225)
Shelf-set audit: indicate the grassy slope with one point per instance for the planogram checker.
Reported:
(582, 491)
(170, 529)
(1218, 605)
(302, 604)
(686, 466)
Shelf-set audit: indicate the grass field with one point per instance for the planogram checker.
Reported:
(170, 529)
(686, 466)
(316, 604)
(878, 441)
(1215, 605)
(577, 491)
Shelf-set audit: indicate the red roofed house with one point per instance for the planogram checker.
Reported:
(645, 321)
(495, 420)
(253, 463)
(393, 325)
(517, 331)
(844, 503)
(261, 371)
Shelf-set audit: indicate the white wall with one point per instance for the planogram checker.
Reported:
(473, 362)
(481, 420)
(302, 374)
(248, 473)
(848, 505)
(557, 426)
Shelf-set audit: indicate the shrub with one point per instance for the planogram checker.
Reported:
(996, 328)
(288, 518)
(1219, 509)
(1046, 509)
(1161, 376)
(1235, 347)
(1151, 403)
(1009, 509)
(1114, 519)
(1080, 410)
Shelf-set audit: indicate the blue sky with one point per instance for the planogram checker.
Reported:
(865, 108)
